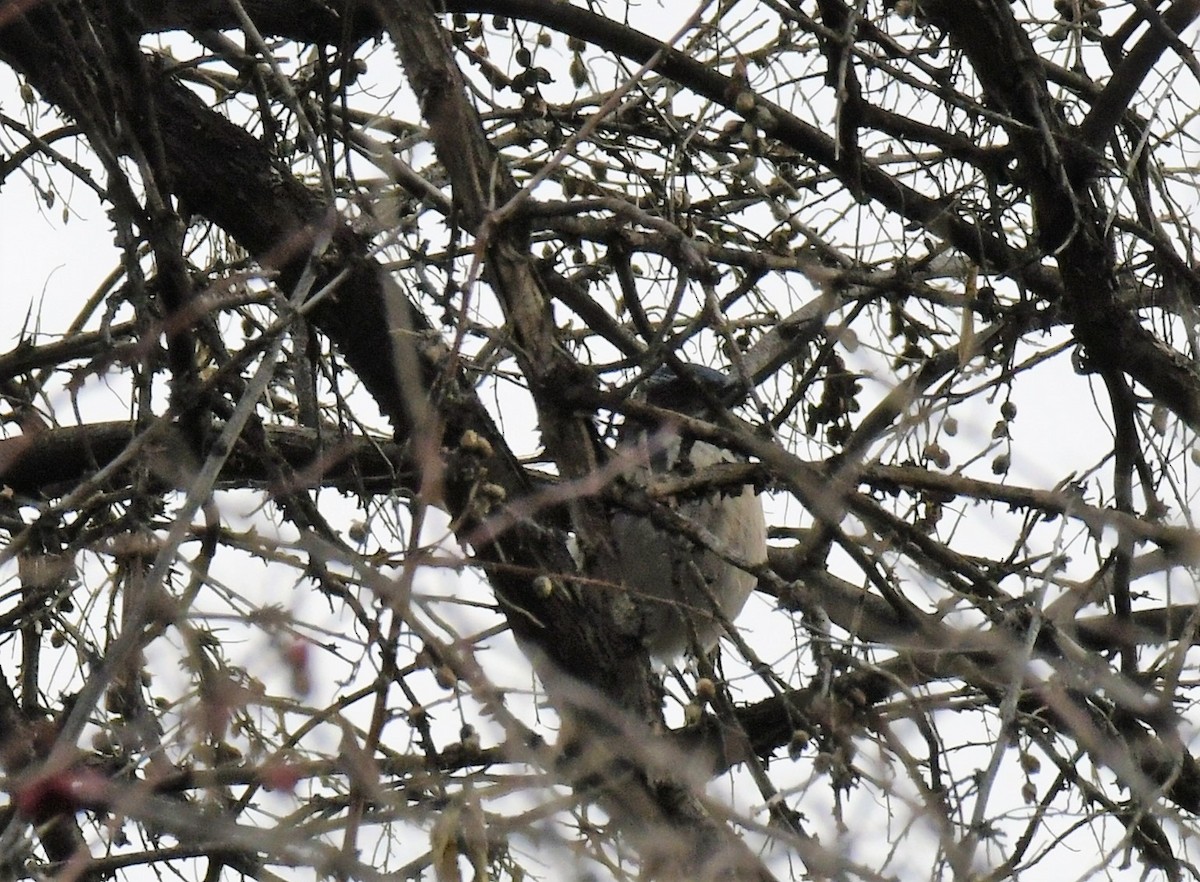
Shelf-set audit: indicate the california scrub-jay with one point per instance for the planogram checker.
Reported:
(673, 581)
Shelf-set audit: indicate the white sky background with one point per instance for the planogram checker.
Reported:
(54, 264)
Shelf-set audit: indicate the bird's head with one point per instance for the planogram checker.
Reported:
(696, 390)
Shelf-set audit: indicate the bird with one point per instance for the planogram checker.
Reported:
(671, 580)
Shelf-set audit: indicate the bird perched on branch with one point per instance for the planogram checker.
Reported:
(686, 591)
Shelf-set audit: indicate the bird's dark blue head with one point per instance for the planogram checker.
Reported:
(694, 392)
